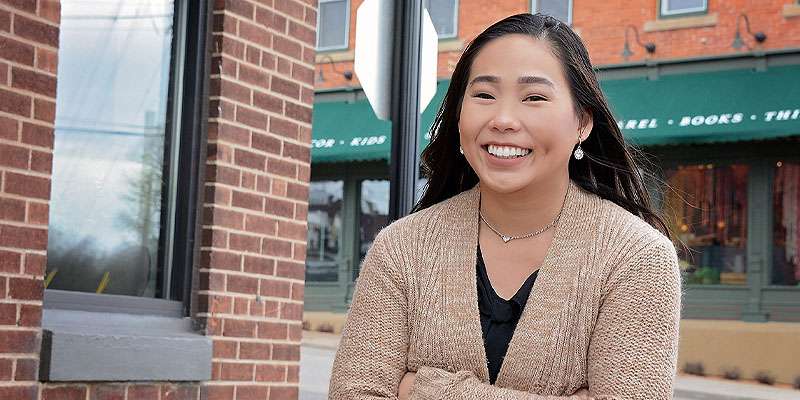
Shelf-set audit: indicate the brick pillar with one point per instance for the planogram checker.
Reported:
(258, 169)
(28, 62)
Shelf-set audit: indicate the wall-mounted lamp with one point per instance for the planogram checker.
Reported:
(348, 75)
(738, 43)
(626, 52)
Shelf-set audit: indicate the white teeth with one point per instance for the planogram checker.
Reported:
(507, 151)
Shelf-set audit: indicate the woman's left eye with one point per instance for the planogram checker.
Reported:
(534, 97)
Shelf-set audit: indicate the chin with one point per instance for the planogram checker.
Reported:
(505, 184)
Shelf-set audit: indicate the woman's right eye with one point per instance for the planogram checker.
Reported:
(483, 96)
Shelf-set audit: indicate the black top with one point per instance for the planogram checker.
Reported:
(499, 317)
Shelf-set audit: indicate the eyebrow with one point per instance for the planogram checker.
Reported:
(523, 80)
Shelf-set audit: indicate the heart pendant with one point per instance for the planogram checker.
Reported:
(506, 238)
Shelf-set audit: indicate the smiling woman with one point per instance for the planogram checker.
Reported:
(533, 266)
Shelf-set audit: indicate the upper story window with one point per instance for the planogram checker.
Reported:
(333, 24)
(678, 7)
(444, 14)
(561, 9)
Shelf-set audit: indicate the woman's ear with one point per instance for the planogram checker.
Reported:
(586, 125)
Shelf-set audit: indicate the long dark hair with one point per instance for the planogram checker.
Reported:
(608, 169)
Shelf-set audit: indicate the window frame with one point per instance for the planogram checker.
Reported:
(535, 6)
(664, 13)
(346, 44)
(454, 34)
(185, 132)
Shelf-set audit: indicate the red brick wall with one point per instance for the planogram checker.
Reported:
(601, 24)
(252, 263)
(28, 48)
(251, 269)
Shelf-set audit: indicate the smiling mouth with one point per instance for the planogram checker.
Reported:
(506, 152)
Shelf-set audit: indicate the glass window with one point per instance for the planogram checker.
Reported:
(706, 207)
(333, 23)
(444, 15)
(110, 138)
(422, 183)
(786, 224)
(673, 7)
(323, 254)
(561, 9)
(373, 214)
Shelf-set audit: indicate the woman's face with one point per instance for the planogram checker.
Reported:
(517, 125)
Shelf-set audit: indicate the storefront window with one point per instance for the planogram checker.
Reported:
(786, 224)
(706, 207)
(105, 211)
(374, 212)
(323, 256)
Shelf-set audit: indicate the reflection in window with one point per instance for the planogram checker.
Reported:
(324, 230)
(114, 68)
(786, 224)
(373, 215)
(560, 9)
(706, 206)
(672, 7)
(422, 184)
(332, 22)
(444, 14)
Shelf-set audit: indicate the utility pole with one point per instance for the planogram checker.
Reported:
(405, 107)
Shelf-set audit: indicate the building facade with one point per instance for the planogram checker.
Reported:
(709, 90)
(154, 171)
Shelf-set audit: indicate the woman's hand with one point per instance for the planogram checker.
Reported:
(404, 392)
(583, 394)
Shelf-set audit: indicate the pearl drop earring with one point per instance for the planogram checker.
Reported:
(578, 154)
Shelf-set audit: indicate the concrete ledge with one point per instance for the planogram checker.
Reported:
(749, 347)
(667, 24)
(321, 340)
(791, 10)
(91, 346)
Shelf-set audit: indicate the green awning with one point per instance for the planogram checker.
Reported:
(674, 109)
(708, 107)
(350, 131)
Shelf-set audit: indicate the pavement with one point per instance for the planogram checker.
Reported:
(318, 349)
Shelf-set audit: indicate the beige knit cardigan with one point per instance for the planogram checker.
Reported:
(603, 313)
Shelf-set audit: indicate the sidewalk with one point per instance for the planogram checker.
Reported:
(693, 387)
(686, 387)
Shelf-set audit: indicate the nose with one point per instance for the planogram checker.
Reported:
(504, 120)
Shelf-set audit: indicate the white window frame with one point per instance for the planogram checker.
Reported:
(665, 9)
(535, 9)
(346, 44)
(454, 34)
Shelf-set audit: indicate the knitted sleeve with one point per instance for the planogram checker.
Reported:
(633, 350)
(371, 358)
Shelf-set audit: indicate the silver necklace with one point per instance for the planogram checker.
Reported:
(508, 238)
